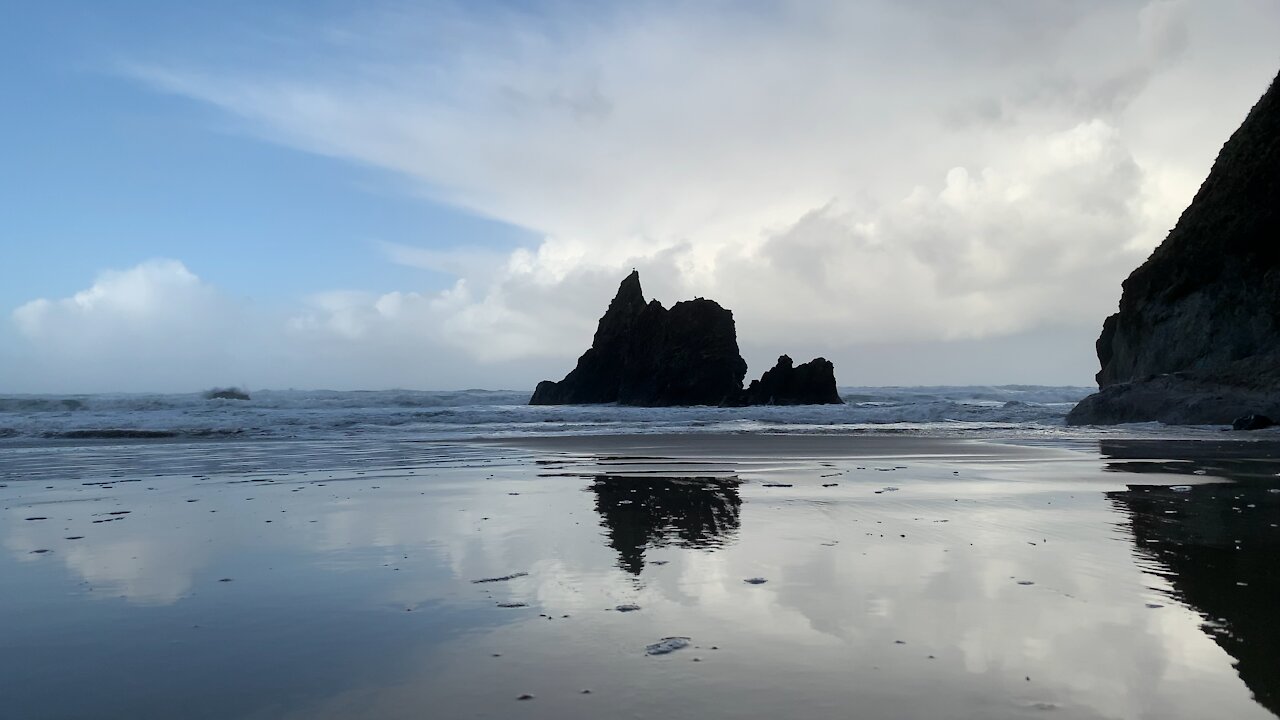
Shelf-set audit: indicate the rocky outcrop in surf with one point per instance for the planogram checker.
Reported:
(644, 354)
(1197, 336)
(811, 383)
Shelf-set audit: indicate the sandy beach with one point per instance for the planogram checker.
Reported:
(902, 577)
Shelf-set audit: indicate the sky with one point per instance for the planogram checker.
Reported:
(440, 195)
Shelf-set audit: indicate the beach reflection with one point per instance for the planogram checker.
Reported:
(639, 513)
(981, 585)
(1215, 543)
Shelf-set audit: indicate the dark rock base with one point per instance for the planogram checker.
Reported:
(1174, 399)
(1252, 422)
(811, 383)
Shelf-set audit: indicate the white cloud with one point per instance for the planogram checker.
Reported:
(155, 298)
(150, 326)
(841, 175)
(158, 326)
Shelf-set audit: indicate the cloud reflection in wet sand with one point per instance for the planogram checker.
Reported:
(903, 603)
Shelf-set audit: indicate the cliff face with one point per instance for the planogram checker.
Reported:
(1206, 304)
(644, 354)
(687, 355)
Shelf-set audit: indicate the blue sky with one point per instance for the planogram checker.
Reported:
(445, 194)
(103, 172)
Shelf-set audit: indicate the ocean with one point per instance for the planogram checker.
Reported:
(984, 411)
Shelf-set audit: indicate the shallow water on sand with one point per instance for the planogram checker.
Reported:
(902, 578)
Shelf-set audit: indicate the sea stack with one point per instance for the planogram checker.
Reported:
(1197, 337)
(644, 354)
(811, 383)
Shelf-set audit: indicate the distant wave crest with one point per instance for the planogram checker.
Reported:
(488, 413)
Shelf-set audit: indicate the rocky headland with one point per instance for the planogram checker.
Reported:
(1197, 336)
(644, 354)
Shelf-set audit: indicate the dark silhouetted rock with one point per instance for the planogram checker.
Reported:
(1252, 422)
(1197, 336)
(644, 354)
(1190, 398)
(811, 383)
(229, 393)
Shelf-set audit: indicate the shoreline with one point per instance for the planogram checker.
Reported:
(786, 445)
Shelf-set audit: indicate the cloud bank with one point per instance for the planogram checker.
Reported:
(870, 181)
(159, 327)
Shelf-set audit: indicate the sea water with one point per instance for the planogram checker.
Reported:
(467, 414)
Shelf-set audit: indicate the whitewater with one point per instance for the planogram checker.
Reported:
(1007, 411)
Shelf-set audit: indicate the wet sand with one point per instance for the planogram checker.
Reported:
(902, 577)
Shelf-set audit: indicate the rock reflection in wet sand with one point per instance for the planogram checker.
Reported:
(640, 512)
(1216, 543)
